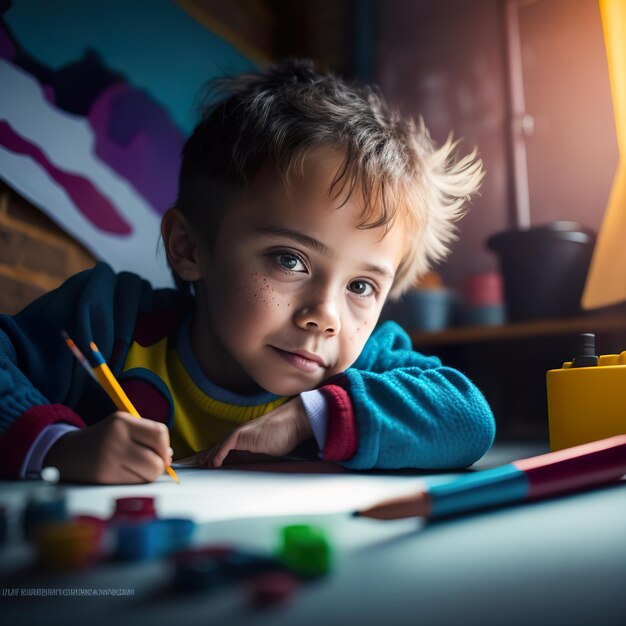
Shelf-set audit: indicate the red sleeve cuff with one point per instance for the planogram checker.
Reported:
(17, 441)
(342, 437)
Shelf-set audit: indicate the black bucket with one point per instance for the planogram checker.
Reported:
(544, 269)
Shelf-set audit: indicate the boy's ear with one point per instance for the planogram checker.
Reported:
(180, 245)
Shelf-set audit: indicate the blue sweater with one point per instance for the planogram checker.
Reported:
(394, 408)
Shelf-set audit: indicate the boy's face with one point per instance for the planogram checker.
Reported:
(292, 289)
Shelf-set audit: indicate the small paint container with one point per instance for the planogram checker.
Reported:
(133, 510)
(482, 289)
(138, 541)
(305, 550)
(66, 545)
(44, 508)
(100, 525)
(177, 534)
(429, 309)
(488, 315)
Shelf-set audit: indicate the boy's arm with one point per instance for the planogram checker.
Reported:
(40, 379)
(24, 415)
(33, 462)
(397, 408)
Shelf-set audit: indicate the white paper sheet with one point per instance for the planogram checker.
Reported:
(207, 495)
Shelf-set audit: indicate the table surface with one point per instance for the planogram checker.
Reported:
(557, 561)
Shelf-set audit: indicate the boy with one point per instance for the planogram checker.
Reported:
(303, 203)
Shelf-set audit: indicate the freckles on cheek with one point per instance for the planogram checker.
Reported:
(361, 332)
(259, 291)
(356, 334)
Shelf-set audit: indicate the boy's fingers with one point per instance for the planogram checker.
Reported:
(196, 460)
(207, 461)
(146, 464)
(150, 446)
(138, 475)
(132, 476)
(150, 427)
(217, 458)
(153, 435)
(240, 440)
(222, 450)
(141, 465)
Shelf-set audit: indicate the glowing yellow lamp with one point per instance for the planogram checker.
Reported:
(606, 280)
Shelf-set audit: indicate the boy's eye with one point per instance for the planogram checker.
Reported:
(290, 262)
(361, 288)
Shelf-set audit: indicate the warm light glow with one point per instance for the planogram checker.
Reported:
(606, 281)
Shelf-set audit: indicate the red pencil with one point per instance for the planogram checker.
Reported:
(571, 469)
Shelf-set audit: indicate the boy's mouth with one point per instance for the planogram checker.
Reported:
(303, 360)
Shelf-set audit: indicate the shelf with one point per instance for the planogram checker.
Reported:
(520, 330)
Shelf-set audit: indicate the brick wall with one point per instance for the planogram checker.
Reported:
(35, 254)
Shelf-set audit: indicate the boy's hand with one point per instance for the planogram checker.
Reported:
(275, 434)
(120, 449)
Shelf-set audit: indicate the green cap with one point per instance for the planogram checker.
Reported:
(305, 550)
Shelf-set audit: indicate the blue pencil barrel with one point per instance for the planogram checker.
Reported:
(480, 490)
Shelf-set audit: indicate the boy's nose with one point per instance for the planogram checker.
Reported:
(322, 317)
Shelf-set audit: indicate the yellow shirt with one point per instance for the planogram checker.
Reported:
(165, 383)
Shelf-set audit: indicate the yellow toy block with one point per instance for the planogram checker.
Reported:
(587, 403)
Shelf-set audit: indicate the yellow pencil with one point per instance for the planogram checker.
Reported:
(105, 377)
(111, 386)
(116, 393)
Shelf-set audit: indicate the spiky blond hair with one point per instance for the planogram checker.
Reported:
(280, 116)
(435, 198)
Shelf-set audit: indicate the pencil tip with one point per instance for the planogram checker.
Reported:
(172, 473)
(356, 513)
